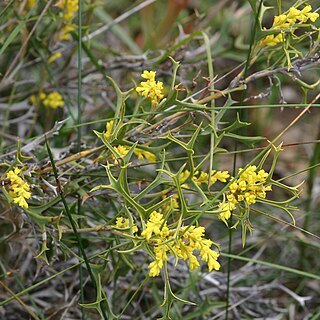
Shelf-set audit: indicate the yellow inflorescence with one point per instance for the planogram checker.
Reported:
(19, 190)
(287, 21)
(64, 33)
(122, 151)
(203, 177)
(221, 176)
(69, 7)
(247, 189)
(123, 223)
(155, 226)
(109, 127)
(181, 244)
(151, 88)
(53, 100)
(141, 154)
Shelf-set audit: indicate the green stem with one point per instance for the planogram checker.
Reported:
(213, 104)
(79, 71)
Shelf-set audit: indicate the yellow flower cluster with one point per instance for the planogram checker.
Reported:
(181, 244)
(19, 190)
(141, 154)
(109, 127)
(52, 100)
(286, 21)
(69, 7)
(151, 88)
(64, 33)
(247, 188)
(203, 177)
(123, 150)
(123, 223)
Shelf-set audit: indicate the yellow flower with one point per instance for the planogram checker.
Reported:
(193, 239)
(20, 201)
(226, 209)
(203, 178)
(185, 252)
(149, 75)
(280, 22)
(193, 235)
(13, 175)
(151, 88)
(55, 57)
(156, 226)
(208, 255)
(108, 132)
(155, 268)
(219, 176)
(313, 16)
(184, 176)
(249, 186)
(64, 33)
(69, 7)
(182, 243)
(122, 151)
(19, 190)
(193, 262)
(143, 154)
(53, 100)
(271, 40)
(123, 223)
(286, 21)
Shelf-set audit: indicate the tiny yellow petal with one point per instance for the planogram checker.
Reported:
(55, 57)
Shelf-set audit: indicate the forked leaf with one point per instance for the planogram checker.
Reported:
(100, 294)
(169, 296)
(121, 98)
(44, 248)
(238, 124)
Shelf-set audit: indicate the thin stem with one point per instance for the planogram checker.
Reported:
(79, 53)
